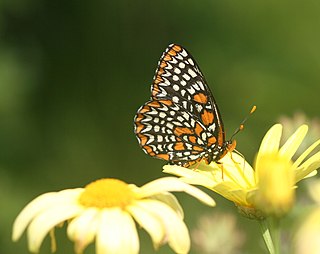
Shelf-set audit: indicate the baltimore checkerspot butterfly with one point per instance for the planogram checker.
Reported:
(181, 123)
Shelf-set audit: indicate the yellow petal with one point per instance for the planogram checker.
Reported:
(306, 153)
(307, 167)
(231, 191)
(47, 220)
(271, 141)
(175, 184)
(189, 176)
(293, 143)
(82, 230)
(117, 233)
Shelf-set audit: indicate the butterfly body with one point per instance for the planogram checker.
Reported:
(181, 122)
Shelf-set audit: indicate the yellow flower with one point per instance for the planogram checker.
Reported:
(306, 239)
(105, 211)
(254, 190)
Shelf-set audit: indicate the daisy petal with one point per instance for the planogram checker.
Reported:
(189, 176)
(308, 167)
(83, 228)
(293, 143)
(175, 184)
(177, 232)
(43, 202)
(271, 140)
(306, 153)
(47, 220)
(170, 200)
(117, 233)
(149, 222)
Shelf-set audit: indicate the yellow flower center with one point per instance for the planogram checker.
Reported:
(106, 193)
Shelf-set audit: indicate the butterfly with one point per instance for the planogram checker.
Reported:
(181, 122)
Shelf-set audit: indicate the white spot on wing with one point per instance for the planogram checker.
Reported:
(184, 53)
(177, 70)
(182, 65)
(175, 87)
(175, 78)
(175, 99)
(186, 76)
(192, 73)
(162, 115)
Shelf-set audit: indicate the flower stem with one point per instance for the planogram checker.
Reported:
(269, 236)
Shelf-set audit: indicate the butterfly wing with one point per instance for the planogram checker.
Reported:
(178, 77)
(167, 131)
(181, 123)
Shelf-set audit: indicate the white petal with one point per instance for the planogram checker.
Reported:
(117, 233)
(149, 222)
(39, 204)
(83, 228)
(170, 200)
(177, 232)
(174, 184)
(293, 143)
(47, 220)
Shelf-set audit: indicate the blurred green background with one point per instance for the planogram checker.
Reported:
(73, 74)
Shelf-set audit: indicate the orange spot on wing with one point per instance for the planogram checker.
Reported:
(193, 139)
(197, 148)
(167, 57)
(207, 117)
(172, 52)
(139, 127)
(154, 104)
(176, 48)
(182, 130)
(143, 110)
(198, 129)
(167, 102)
(160, 71)
(163, 156)
(149, 150)
(200, 98)
(163, 64)
(143, 139)
(179, 146)
(211, 141)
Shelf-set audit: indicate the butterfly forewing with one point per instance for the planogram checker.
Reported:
(181, 123)
(179, 78)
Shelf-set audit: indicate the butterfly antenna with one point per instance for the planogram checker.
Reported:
(241, 126)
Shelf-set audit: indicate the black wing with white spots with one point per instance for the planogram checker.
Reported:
(181, 123)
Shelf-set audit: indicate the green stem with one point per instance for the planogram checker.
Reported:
(275, 231)
(267, 236)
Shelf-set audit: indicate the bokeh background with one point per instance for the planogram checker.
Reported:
(73, 74)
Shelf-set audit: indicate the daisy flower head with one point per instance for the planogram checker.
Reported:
(105, 211)
(268, 187)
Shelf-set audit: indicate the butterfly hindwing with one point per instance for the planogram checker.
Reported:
(167, 131)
